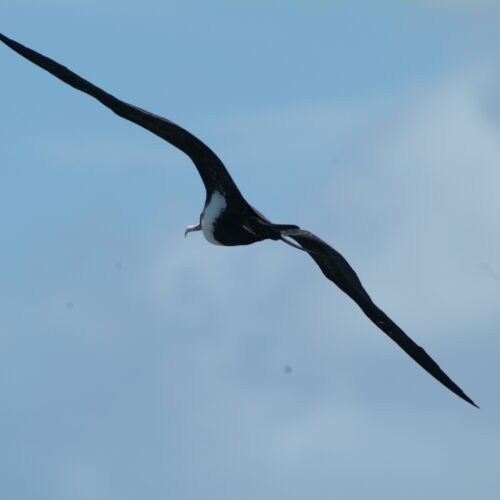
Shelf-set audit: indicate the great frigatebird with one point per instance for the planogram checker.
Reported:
(228, 219)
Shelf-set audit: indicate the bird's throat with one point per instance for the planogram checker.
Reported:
(212, 212)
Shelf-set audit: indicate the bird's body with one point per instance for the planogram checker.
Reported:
(228, 219)
(225, 225)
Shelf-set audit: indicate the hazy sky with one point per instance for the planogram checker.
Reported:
(135, 363)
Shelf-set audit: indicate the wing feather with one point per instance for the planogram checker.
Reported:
(338, 270)
(211, 169)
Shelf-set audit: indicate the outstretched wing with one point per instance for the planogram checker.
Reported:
(338, 270)
(210, 167)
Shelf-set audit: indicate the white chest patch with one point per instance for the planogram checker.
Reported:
(216, 205)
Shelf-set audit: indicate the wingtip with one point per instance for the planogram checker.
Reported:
(5, 38)
(469, 400)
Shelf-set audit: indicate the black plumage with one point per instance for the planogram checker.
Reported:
(228, 219)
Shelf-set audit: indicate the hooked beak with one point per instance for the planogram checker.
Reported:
(196, 227)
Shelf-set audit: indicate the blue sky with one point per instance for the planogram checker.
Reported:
(139, 364)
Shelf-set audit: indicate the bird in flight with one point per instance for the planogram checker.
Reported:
(228, 219)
